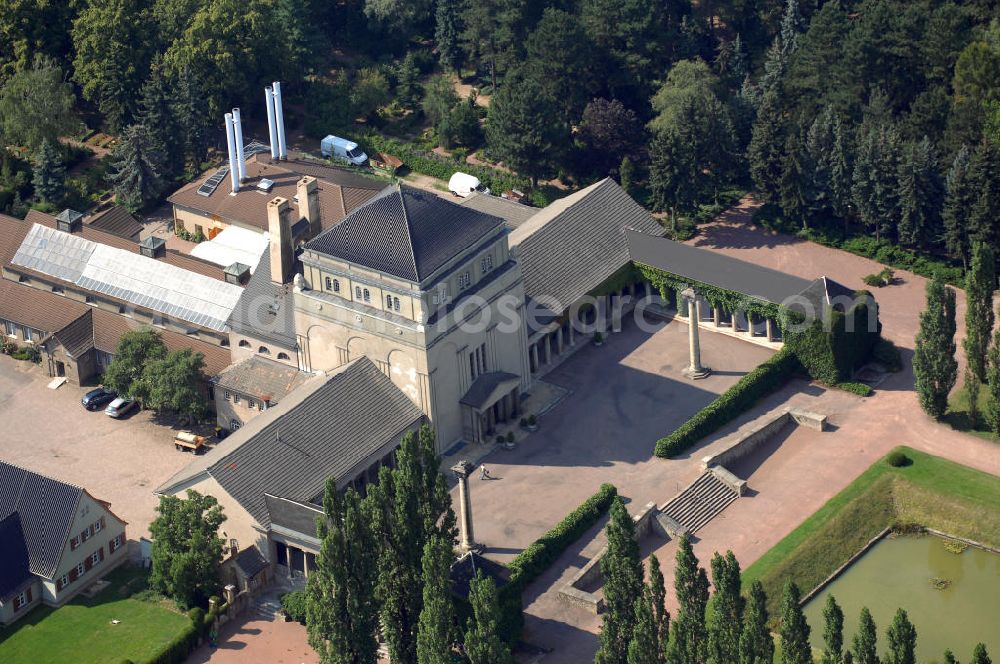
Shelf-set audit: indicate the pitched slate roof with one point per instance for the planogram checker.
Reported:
(15, 570)
(714, 269)
(250, 562)
(320, 430)
(515, 214)
(573, 245)
(262, 378)
(46, 508)
(118, 221)
(265, 309)
(405, 232)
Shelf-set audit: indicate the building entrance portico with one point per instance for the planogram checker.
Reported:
(492, 399)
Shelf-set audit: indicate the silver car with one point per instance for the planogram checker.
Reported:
(120, 407)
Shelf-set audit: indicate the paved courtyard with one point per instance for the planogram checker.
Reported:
(49, 432)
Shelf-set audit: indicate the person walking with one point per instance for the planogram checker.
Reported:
(484, 473)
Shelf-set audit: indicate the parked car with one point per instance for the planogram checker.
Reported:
(98, 398)
(463, 184)
(343, 149)
(120, 407)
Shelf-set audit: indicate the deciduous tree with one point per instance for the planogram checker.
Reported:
(434, 629)
(175, 383)
(689, 636)
(136, 349)
(866, 640)
(36, 105)
(186, 548)
(726, 620)
(934, 363)
(795, 648)
(483, 644)
(621, 570)
(756, 642)
(658, 602)
(901, 637)
(833, 631)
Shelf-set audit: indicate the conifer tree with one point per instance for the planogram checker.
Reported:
(137, 169)
(795, 648)
(447, 33)
(979, 655)
(408, 82)
(341, 615)
(658, 599)
(920, 193)
(689, 636)
(865, 640)
(190, 109)
(985, 172)
(434, 629)
(727, 615)
(49, 176)
(902, 640)
(958, 202)
(483, 644)
(934, 363)
(621, 569)
(644, 646)
(756, 642)
(949, 657)
(764, 154)
(156, 114)
(833, 631)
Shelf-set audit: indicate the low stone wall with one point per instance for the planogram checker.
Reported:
(573, 592)
(746, 440)
(730, 480)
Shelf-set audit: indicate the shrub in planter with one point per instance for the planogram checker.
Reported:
(510, 437)
(532, 421)
(897, 459)
(523, 423)
(598, 338)
(294, 605)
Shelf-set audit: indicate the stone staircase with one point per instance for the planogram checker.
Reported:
(699, 503)
(267, 606)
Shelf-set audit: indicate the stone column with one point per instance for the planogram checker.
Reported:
(717, 316)
(534, 356)
(548, 349)
(695, 370)
(572, 341)
(467, 540)
(770, 329)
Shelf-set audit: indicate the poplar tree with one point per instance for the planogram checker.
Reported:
(756, 642)
(902, 640)
(727, 614)
(483, 644)
(993, 381)
(866, 640)
(980, 282)
(794, 632)
(934, 363)
(49, 174)
(341, 614)
(958, 202)
(644, 645)
(689, 637)
(434, 629)
(658, 599)
(949, 657)
(833, 631)
(621, 569)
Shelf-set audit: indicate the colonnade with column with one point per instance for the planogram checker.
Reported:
(739, 323)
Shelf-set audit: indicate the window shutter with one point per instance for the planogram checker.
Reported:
(29, 594)
(100, 554)
(87, 564)
(72, 575)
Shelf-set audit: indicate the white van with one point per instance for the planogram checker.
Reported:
(343, 149)
(463, 184)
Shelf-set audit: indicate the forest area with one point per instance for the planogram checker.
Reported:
(868, 124)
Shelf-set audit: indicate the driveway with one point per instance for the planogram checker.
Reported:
(49, 432)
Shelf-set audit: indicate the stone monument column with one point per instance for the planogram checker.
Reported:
(695, 370)
(467, 541)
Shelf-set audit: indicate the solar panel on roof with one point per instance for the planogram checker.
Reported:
(209, 186)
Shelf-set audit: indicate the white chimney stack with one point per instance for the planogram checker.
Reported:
(234, 171)
(279, 119)
(272, 129)
(238, 130)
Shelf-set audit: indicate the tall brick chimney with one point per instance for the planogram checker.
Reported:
(279, 226)
(307, 190)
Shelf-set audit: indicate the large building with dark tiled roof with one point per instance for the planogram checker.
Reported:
(55, 540)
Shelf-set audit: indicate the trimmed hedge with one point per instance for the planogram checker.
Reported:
(178, 650)
(860, 389)
(542, 553)
(760, 382)
(294, 605)
(429, 163)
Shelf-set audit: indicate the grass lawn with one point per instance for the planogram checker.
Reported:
(931, 492)
(81, 632)
(958, 414)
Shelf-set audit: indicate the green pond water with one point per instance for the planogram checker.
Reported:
(897, 572)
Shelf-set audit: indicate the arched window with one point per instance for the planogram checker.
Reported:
(368, 296)
(395, 303)
(234, 425)
(336, 285)
(329, 283)
(263, 350)
(244, 343)
(388, 301)
(283, 356)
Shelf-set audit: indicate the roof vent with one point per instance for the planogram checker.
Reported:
(152, 247)
(69, 221)
(237, 273)
(265, 185)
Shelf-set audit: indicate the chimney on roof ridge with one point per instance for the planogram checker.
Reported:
(280, 248)
(307, 191)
